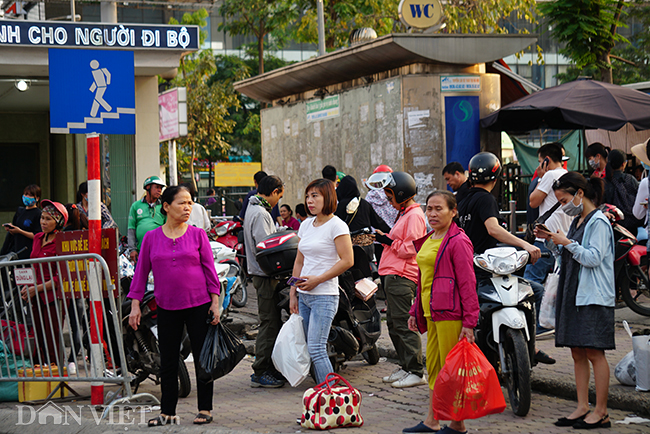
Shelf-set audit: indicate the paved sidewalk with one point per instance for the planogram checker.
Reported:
(238, 408)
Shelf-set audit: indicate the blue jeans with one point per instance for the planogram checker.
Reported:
(536, 274)
(317, 312)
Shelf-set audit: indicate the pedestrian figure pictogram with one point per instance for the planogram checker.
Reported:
(91, 91)
(102, 78)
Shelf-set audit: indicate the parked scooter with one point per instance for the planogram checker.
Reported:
(227, 266)
(630, 270)
(141, 346)
(506, 326)
(357, 324)
(230, 234)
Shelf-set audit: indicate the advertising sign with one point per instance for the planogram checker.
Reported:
(235, 174)
(460, 83)
(172, 110)
(76, 243)
(325, 108)
(420, 14)
(91, 91)
(96, 35)
(462, 128)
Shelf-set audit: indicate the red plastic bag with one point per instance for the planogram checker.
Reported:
(467, 386)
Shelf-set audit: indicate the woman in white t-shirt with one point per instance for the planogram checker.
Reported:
(324, 252)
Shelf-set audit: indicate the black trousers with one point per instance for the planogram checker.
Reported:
(170, 333)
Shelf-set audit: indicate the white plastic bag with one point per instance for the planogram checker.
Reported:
(625, 371)
(547, 309)
(290, 355)
(641, 346)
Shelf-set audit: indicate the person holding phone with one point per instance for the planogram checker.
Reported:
(26, 223)
(324, 252)
(550, 168)
(584, 308)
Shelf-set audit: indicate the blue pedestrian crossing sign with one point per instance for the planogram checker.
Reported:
(91, 91)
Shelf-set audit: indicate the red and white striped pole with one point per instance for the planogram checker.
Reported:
(94, 270)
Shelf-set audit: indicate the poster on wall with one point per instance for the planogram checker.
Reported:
(462, 128)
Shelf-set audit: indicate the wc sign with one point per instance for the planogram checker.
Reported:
(420, 14)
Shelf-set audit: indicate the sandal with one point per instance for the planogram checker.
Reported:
(162, 419)
(202, 419)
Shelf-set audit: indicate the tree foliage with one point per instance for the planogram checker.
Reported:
(343, 16)
(588, 28)
(208, 105)
(487, 16)
(257, 18)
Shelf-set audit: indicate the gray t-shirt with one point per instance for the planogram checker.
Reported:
(257, 225)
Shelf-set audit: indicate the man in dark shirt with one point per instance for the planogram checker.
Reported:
(478, 214)
(456, 179)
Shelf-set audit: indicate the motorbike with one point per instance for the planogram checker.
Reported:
(506, 327)
(229, 271)
(230, 234)
(357, 323)
(630, 271)
(141, 346)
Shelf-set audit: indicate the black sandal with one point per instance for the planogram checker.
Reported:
(162, 419)
(202, 419)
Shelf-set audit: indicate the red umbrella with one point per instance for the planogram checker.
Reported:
(582, 104)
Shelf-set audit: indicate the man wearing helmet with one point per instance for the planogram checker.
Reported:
(400, 271)
(145, 214)
(478, 214)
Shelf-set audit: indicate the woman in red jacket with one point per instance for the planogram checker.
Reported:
(446, 305)
(46, 323)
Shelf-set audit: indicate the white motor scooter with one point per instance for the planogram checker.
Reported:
(506, 327)
(228, 271)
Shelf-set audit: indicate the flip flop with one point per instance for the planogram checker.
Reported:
(202, 419)
(162, 419)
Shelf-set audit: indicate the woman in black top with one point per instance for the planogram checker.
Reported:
(358, 214)
(26, 223)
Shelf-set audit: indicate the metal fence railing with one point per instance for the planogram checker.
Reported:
(55, 311)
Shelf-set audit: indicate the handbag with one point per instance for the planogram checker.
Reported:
(530, 235)
(329, 405)
(547, 308)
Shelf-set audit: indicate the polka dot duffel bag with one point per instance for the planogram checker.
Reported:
(334, 403)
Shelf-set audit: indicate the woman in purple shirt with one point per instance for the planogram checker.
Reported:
(186, 289)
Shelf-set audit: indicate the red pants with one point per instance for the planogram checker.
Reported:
(47, 330)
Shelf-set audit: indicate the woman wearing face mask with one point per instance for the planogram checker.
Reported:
(446, 313)
(585, 297)
(596, 154)
(26, 223)
(47, 323)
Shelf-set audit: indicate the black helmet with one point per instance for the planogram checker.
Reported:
(401, 184)
(484, 167)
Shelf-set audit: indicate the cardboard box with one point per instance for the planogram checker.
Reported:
(36, 390)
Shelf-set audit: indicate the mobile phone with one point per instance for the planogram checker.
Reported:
(293, 281)
(7, 225)
(542, 227)
(644, 203)
(545, 162)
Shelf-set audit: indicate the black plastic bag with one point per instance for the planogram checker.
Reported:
(222, 351)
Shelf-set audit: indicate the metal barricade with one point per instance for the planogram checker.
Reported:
(75, 304)
(512, 214)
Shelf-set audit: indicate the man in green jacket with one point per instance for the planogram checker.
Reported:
(145, 214)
